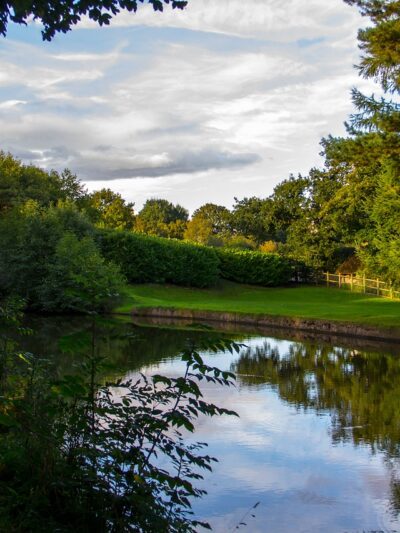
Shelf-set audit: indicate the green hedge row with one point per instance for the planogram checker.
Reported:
(144, 259)
(255, 268)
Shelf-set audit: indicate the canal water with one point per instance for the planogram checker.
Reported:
(316, 446)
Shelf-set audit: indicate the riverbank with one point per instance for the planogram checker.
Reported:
(306, 308)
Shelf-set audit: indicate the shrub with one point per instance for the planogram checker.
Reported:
(51, 260)
(254, 267)
(239, 242)
(268, 247)
(144, 259)
(78, 278)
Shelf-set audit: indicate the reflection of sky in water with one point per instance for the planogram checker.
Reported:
(283, 457)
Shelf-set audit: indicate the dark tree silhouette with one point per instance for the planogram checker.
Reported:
(61, 15)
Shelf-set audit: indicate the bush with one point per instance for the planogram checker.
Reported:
(256, 268)
(78, 278)
(144, 259)
(49, 258)
(239, 242)
(268, 247)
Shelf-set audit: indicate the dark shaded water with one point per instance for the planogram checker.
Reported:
(317, 444)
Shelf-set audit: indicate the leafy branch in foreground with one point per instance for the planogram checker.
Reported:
(87, 456)
(61, 16)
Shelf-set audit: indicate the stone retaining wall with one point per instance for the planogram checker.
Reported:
(258, 320)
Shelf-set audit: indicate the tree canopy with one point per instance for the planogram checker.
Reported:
(20, 183)
(61, 15)
(380, 43)
(107, 209)
(162, 218)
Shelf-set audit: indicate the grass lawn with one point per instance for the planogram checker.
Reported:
(302, 302)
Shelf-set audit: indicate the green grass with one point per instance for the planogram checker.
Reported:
(301, 302)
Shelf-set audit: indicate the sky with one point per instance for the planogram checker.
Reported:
(225, 99)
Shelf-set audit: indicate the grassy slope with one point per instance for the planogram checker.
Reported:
(302, 302)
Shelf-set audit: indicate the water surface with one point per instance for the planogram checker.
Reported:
(317, 442)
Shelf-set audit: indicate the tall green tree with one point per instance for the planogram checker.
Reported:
(107, 209)
(380, 43)
(20, 183)
(217, 215)
(380, 251)
(200, 230)
(250, 218)
(210, 224)
(346, 207)
(162, 218)
(375, 138)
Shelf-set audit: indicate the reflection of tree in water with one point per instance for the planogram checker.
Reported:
(65, 340)
(360, 390)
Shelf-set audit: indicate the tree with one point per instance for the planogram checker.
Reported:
(249, 218)
(20, 183)
(50, 259)
(61, 16)
(346, 205)
(200, 230)
(107, 209)
(380, 251)
(210, 225)
(217, 215)
(269, 218)
(380, 42)
(162, 218)
(374, 146)
(288, 204)
(82, 454)
(71, 187)
(78, 277)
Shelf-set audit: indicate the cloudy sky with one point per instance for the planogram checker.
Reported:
(224, 99)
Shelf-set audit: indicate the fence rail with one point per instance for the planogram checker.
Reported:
(361, 284)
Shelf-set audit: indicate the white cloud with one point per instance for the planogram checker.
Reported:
(271, 20)
(205, 120)
(7, 104)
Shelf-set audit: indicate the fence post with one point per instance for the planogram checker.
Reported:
(364, 285)
(351, 281)
(377, 286)
(327, 278)
(340, 281)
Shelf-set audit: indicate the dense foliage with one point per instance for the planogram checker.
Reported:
(151, 259)
(20, 183)
(210, 225)
(61, 16)
(255, 268)
(161, 218)
(107, 209)
(50, 259)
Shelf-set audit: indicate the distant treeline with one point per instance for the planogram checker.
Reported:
(63, 249)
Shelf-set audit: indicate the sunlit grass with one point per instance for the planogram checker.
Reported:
(301, 302)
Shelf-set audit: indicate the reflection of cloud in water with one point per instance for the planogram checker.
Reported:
(282, 454)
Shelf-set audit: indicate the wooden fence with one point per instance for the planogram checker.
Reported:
(361, 284)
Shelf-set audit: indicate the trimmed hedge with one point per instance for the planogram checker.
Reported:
(254, 268)
(144, 259)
